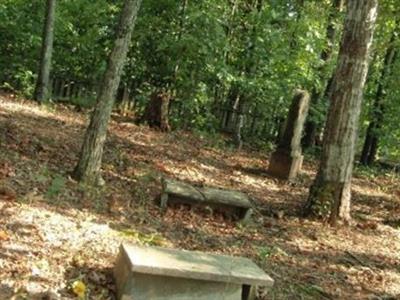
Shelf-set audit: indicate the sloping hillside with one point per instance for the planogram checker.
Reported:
(55, 232)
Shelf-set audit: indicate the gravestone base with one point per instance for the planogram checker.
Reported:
(150, 287)
(284, 165)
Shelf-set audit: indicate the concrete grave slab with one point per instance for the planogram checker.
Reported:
(152, 273)
(226, 200)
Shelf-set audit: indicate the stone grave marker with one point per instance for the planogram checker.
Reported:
(153, 273)
(228, 201)
(287, 160)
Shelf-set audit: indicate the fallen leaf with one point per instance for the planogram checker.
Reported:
(79, 289)
(367, 225)
(4, 236)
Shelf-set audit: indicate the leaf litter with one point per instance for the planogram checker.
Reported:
(59, 239)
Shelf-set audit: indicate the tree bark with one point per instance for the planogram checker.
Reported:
(371, 142)
(330, 193)
(89, 165)
(43, 81)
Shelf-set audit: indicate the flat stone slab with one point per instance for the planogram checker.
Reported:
(189, 273)
(184, 192)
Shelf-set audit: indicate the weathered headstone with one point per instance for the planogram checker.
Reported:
(287, 160)
(225, 200)
(152, 273)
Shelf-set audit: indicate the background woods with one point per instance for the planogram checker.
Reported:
(220, 62)
(277, 116)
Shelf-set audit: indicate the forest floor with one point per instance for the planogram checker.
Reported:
(56, 234)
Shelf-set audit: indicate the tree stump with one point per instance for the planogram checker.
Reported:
(157, 111)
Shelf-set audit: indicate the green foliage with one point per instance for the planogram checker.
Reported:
(389, 131)
(26, 82)
(81, 45)
(265, 252)
(211, 138)
(200, 51)
(372, 172)
(57, 185)
(20, 31)
(322, 197)
(142, 238)
(84, 102)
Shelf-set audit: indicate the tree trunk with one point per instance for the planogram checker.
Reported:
(330, 193)
(156, 114)
(239, 123)
(126, 104)
(370, 148)
(249, 70)
(43, 80)
(89, 165)
(181, 28)
(367, 145)
(326, 54)
(231, 108)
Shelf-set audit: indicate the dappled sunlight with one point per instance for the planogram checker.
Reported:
(374, 203)
(15, 105)
(361, 267)
(370, 192)
(41, 233)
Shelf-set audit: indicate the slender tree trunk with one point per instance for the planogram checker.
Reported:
(239, 123)
(374, 145)
(367, 145)
(231, 107)
(181, 29)
(241, 106)
(370, 148)
(229, 32)
(326, 55)
(43, 80)
(223, 96)
(330, 193)
(89, 165)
